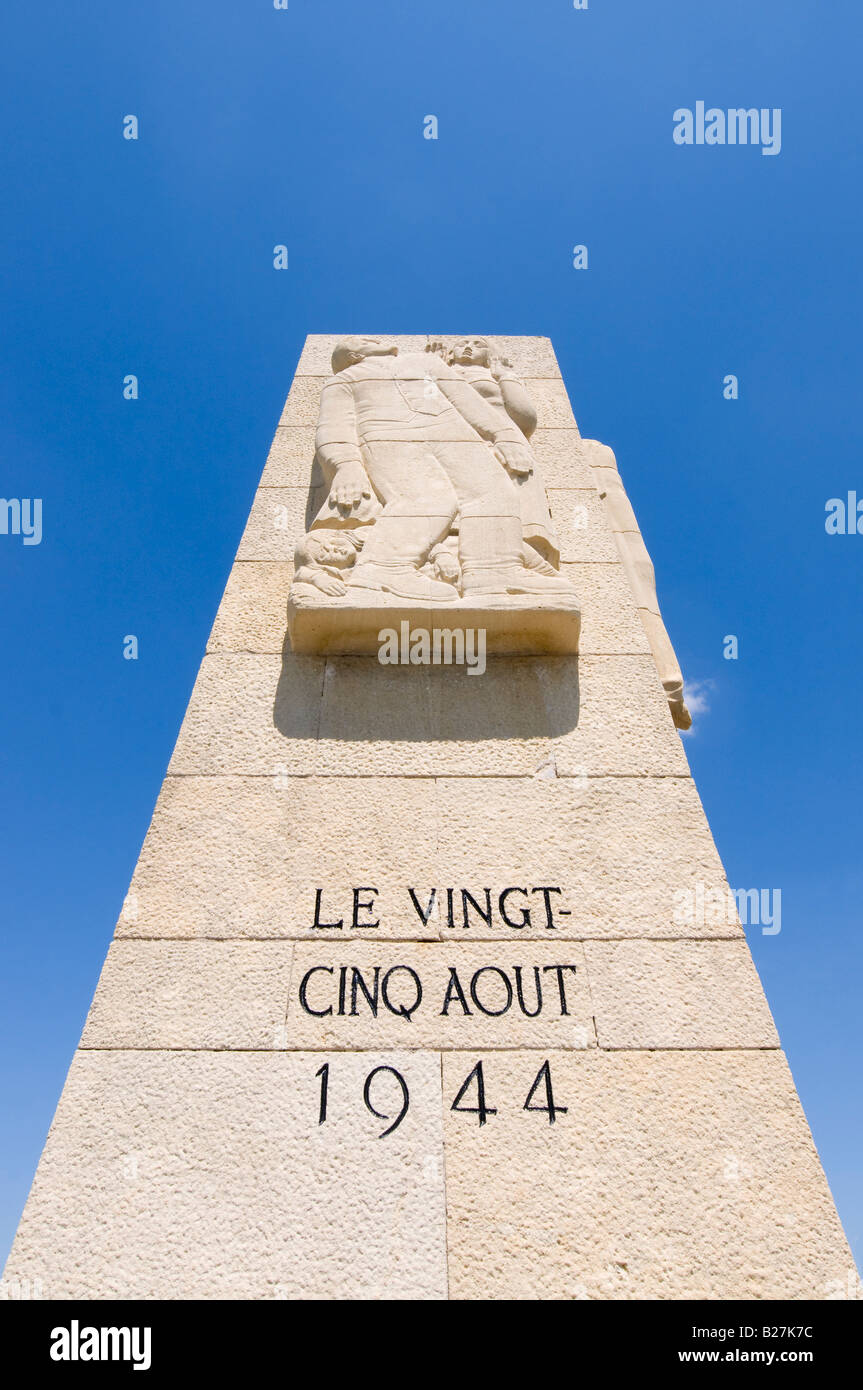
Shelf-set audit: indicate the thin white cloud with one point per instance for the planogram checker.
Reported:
(697, 695)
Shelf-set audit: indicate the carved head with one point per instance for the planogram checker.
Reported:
(466, 352)
(335, 548)
(354, 349)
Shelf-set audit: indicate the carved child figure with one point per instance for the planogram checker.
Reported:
(443, 561)
(323, 557)
(492, 377)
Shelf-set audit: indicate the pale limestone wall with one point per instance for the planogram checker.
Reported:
(187, 1158)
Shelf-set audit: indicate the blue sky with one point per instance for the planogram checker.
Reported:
(304, 127)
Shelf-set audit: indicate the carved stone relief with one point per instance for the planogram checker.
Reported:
(434, 501)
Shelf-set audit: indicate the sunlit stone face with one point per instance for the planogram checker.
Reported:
(471, 351)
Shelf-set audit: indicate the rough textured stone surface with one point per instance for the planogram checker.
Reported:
(290, 462)
(623, 849)
(191, 994)
(581, 524)
(553, 409)
(640, 575)
(243, 857)
(452, 1010)
(436, 724)
(610, 625)
(608, 714)
(230, 724)
(635, 722)
(301, 407)
(587, 713)
(564, 461)
(246, 995)
(251, 616)
(671, 1176)
(278, 518)
(201, 1175)
(696, 994)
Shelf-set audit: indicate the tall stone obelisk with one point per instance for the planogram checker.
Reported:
(426, 985)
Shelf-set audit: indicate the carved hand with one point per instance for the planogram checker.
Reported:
(447, 567)
(330, 584)
(517, 458)
(499, 367)
(349, 486)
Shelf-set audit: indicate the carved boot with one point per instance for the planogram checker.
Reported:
(401, 580)
(478, 578)
(492, 561)
(490, 553)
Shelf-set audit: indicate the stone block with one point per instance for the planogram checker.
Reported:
(290, 462)
(563, 459)
(177, 1175)
(278, 519)
(579, 518)
(245, 856)
(670, 994)
(214, 995)
(672, 1175)
(627, 853)
(553, 409)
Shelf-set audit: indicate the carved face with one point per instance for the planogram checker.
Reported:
(471, 351)
(331, 548)
(375, 347)
(354, 349)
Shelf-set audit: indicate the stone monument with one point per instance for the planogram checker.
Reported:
(429, 983)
